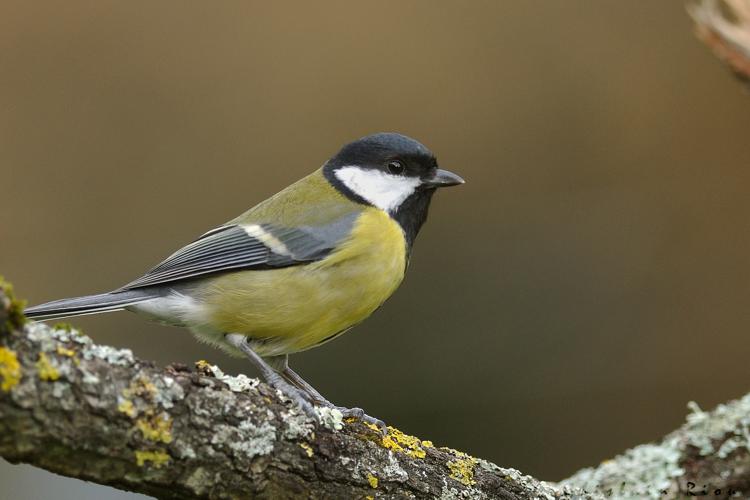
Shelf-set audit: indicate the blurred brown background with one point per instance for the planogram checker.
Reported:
(589, 279)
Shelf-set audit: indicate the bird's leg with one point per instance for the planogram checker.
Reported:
(272, 377)
(282, 365)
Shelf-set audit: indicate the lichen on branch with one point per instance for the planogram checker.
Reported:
(98, 413)
(95, 412)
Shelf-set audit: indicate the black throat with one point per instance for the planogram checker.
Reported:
(412, 213)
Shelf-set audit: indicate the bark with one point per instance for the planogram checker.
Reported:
(724, 25)
(97, 413)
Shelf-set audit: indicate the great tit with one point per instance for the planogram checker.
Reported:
(298, 269)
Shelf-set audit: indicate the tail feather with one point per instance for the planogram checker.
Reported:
(89, 304)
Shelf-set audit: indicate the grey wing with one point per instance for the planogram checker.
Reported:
(256, 246)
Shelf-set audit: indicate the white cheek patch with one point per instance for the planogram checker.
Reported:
(383, 190)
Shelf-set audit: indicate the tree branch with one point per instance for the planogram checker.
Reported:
(96, 413)
(708, 456)
(724, 25)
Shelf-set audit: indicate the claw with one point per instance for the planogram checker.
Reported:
(360, 414)
(351, 412)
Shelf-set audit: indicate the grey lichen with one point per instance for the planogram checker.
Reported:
(388, 467)
(660, 470)
(721, 431)
(46, 337)
(296, 425)
(246, 440)
(452, 493)
(392, 470)
(330, 418)
(49, 339)
(113, 356)
(646, 471)
(237, 383)
(168, 391)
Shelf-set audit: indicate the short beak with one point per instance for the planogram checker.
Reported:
(443, 178)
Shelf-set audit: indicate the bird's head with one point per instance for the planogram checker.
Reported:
(387, 169)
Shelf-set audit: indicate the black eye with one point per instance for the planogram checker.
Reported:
(396, 167)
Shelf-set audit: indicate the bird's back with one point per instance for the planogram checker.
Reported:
(309, 202)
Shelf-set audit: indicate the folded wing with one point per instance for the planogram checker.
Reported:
(246, 246)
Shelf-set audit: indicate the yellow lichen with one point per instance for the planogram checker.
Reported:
(142, 387)
(204, 368)
(462, 469)
(372, 480)
(402, 443)
(46, 370)
(62, 351)
(157, 457)
(157, 428)
(308, 449)
(369, 497)
(126, 406)
(10, 369)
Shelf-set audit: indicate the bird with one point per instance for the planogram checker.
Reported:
(295, 271)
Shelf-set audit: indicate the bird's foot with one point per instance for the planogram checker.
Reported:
(360, 415)
(316, 399)
(298, 397)
(307, 404)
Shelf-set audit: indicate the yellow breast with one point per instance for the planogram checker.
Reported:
(295, 308)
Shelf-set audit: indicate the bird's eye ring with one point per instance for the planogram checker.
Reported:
(396, 167)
